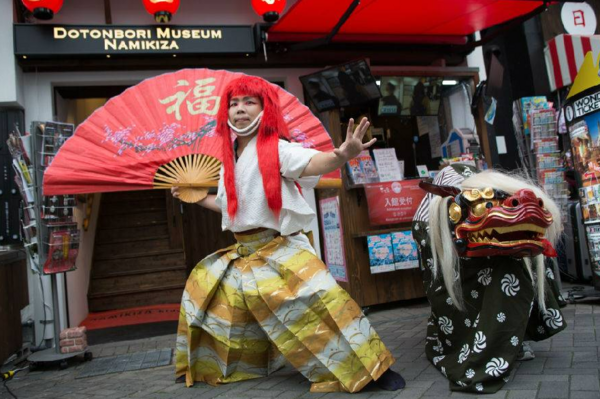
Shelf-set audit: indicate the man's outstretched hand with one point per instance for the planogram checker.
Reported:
(325, 162)
(353, 144)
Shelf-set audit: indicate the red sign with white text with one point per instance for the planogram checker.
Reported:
(393, 202)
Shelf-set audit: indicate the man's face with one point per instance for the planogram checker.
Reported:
(243, 110)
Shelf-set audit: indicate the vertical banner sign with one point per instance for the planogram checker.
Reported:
(333, 240)
(393, 202)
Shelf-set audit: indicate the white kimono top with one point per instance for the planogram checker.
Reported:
(253, 210)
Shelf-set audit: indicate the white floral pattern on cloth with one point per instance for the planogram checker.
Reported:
(464, 353)
(496, 367)
(541, 330)
(443, 370)
(510, 285)
(479, 387)
(470, 373)
(449, 301)
(448, 342)
(480, 342)
(474, 294)
(514, 341)
(501, 317)
(467, 322)
(445, 325)
(485, 276)
(476, 321)
(553, 318)
(549, 273)
(438, 359)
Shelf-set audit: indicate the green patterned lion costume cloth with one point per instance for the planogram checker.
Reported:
(483, 238)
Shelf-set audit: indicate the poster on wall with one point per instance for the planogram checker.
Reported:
(405, 250)
(381, 253)
(393, 202)
(333, 238)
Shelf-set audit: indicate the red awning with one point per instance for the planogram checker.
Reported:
(427, 21)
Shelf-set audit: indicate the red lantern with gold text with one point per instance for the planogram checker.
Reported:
(162, 10)
(269, 9)
(43, 9)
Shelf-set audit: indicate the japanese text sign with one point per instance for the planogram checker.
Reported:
(393, 202)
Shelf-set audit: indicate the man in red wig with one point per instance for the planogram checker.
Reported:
(269, 297)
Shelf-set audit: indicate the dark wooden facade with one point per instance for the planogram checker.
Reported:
(138, 251)
(14, 296)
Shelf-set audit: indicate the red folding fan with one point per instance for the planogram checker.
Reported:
(161, 133)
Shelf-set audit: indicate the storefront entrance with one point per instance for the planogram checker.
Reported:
(136, 256)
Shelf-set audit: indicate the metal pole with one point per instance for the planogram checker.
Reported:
(55, 313)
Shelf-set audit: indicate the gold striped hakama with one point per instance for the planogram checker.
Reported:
(247, 307)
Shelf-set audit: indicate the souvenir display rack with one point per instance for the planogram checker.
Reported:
(535, 123)
(57, 233)
(19, 147)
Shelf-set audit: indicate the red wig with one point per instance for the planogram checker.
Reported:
(272, 127)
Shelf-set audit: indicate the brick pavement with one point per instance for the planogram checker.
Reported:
(565, 367)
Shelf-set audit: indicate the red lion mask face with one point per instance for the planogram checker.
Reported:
(491, 222)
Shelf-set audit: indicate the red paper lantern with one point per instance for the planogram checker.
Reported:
(269, 9)
(43, 9)
(162, 10)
